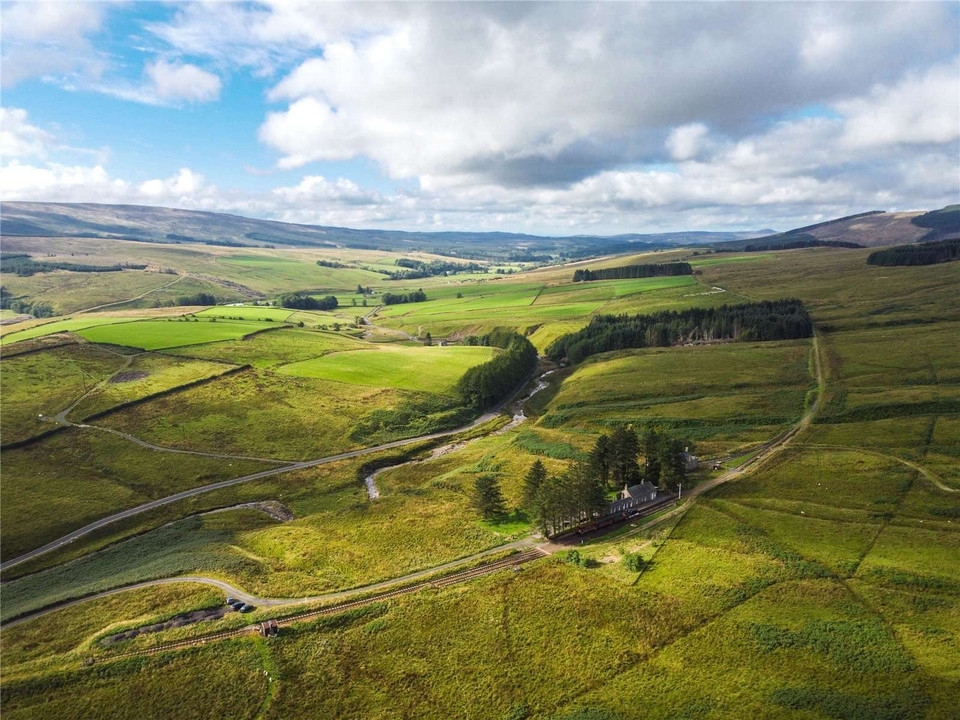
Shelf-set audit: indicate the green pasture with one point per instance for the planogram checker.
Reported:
(247, 312)
(81, 322)
(266, 350)
(427, 369)
(172, 332)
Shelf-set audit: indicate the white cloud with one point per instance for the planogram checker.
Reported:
(41, 38)
(547, 94)
(180, 81)
(918, 109)
(685, 141)
(18, 138)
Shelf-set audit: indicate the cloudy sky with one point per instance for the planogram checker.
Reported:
(548, 118)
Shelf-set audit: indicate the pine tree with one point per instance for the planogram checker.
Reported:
(600, 459)
(672, 469)
(624, 449)
(486, 497)
(651, 456)
(532, 482)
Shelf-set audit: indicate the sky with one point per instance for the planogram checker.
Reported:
(547, 118)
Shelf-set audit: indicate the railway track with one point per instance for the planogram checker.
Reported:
(442, 582)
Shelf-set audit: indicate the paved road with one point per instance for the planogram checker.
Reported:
(230, 590)
(86, 529)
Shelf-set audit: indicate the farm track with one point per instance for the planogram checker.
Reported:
(446, 581)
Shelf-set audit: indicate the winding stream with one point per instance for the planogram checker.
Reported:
(518, 417)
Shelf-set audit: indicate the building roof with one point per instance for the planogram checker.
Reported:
(643, 490)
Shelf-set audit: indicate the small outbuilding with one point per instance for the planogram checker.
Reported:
(690, 462)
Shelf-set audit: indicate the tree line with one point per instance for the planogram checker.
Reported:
(25, 266)
(40, 309)
(579, 494)
(400, 298)
(300, 301)
(747, 322)
(629, 272)
(795, 242)
(484, 385)
(928, 253)
(416, 269)
(200, 298)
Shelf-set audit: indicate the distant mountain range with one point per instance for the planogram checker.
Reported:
(141, 223)
(165, 225)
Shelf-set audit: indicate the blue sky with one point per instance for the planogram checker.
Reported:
(546, 118)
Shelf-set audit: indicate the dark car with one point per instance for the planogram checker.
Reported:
(246, 608)
(231, 601)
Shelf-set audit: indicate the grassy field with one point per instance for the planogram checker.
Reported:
(172, 332)
(720, 397)
(426, 369)
(258, 413)
(41, 328)
(62, 482)
(266, 350)
(46, 383)
(146, 374)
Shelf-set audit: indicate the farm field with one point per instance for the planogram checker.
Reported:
(720, 397)
(171, 332)
(266, 350)
(426, 369)
(144, 375)
(49, 327)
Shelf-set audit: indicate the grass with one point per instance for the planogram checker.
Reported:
(47, 382)
(259, 413)
(722, 397)
(426, 369)
(267, 350)
(159, 334)
(80, 322)
(72, 478)
(146, 374)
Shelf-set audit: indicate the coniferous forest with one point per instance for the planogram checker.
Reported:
(630, 272)
(483, 386)
(764, 320)
(928, 253)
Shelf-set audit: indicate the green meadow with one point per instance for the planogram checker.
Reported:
(171, 332)
(427, 369)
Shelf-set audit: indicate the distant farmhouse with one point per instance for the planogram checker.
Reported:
(690, 462)
(631, 497)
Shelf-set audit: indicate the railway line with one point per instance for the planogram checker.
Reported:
(442, 582)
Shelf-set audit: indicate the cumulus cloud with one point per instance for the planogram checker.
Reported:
(920, 108)
(685, 141)
(181, 81)
(41, 38)
(18, 138)
(538, 94)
